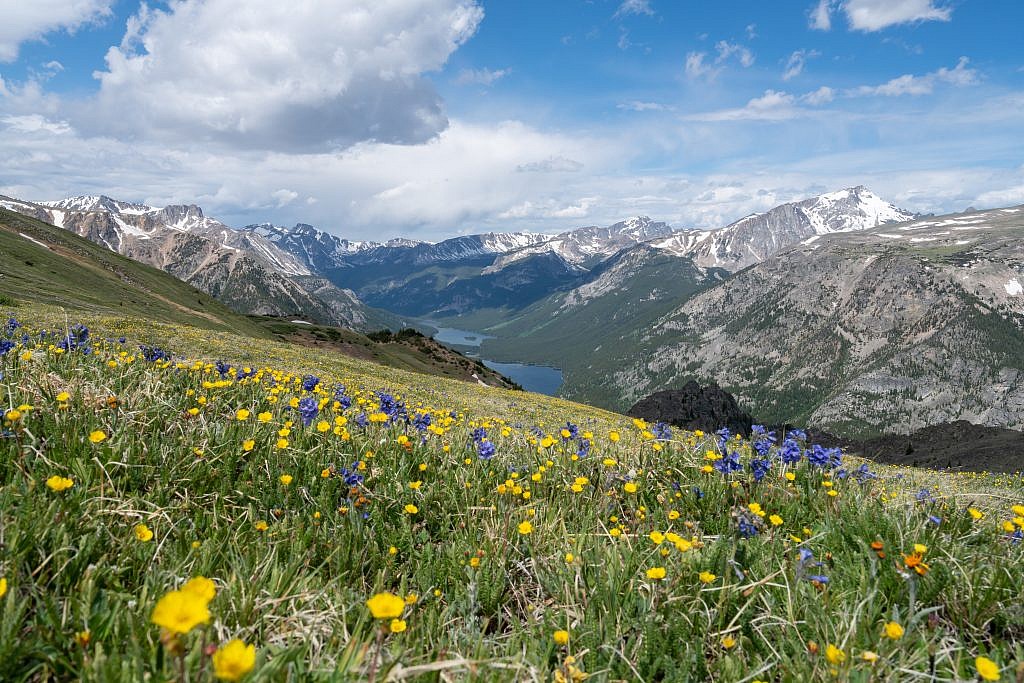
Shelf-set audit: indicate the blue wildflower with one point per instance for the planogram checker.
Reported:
(729, 463)
(421, 422)
(308, 410)
(485, 449)
(662, 431)
(759, 468)
(790, 452)
(309, 382)
(746, 529)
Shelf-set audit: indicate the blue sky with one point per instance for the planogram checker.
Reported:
(430, 118)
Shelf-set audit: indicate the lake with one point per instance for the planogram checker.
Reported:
(539, 379)
(457, 337)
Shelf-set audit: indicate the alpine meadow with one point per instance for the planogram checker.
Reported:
(480, 340)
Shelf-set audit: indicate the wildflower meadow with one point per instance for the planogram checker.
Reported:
(188, 505)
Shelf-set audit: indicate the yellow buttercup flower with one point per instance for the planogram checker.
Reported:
(834, 655)
(525, 528)
(706, 577)
(97, 436)
(987, 669)
(656, 573)
(3, 586)
(143, 533)
(386, 606)
(202, 587)
(285, 479)
(411, 509)
(234, 660)
(892, 630)
(59, 484)
(560, 637)
(180, 611)
(397, 625)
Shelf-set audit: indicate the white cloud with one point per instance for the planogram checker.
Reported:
(551, 165)
(727, 50)
(772, 106)
(267, 74)
(634, 7)
(481, 76)
(284, 197)
(822, 95)
(696, 67)
(820, 17)
(24, 20)
(796, 62)
(908, 84)
(875, 15)
(751, 31)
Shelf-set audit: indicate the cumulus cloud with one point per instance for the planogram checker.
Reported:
(875, 15)
(267, 74)
(822, 95)
(481, 76)
(908, 84)
(796, 62)
(24, 20)
(284, 197)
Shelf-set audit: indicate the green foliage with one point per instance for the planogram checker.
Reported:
(488, 597)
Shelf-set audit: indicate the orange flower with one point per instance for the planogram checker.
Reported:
(916, 562)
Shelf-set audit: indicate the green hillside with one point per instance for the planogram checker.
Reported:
(249, 509)
(42, 263)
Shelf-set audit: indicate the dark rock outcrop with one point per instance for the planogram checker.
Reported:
(694, 407)
(958, 445)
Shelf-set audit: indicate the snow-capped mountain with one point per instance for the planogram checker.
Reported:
(756, 237)
(242, 268)
(316, 250)
(589, 245)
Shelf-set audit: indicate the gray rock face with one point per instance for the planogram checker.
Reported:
(884, 330)
(752, 239)
(242, 268)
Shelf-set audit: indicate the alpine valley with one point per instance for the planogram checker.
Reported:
(841, 310)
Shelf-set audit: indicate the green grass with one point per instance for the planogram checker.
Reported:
(174, 459)
(58, 267)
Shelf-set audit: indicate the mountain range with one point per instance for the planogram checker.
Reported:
(884, 329)
(840, 310)
(241, 268)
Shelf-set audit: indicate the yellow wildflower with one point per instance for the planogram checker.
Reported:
(234, 660)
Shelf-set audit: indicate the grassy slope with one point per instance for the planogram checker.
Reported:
(74, 272)
(589, 341)
(298, 590)
(410, 352)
